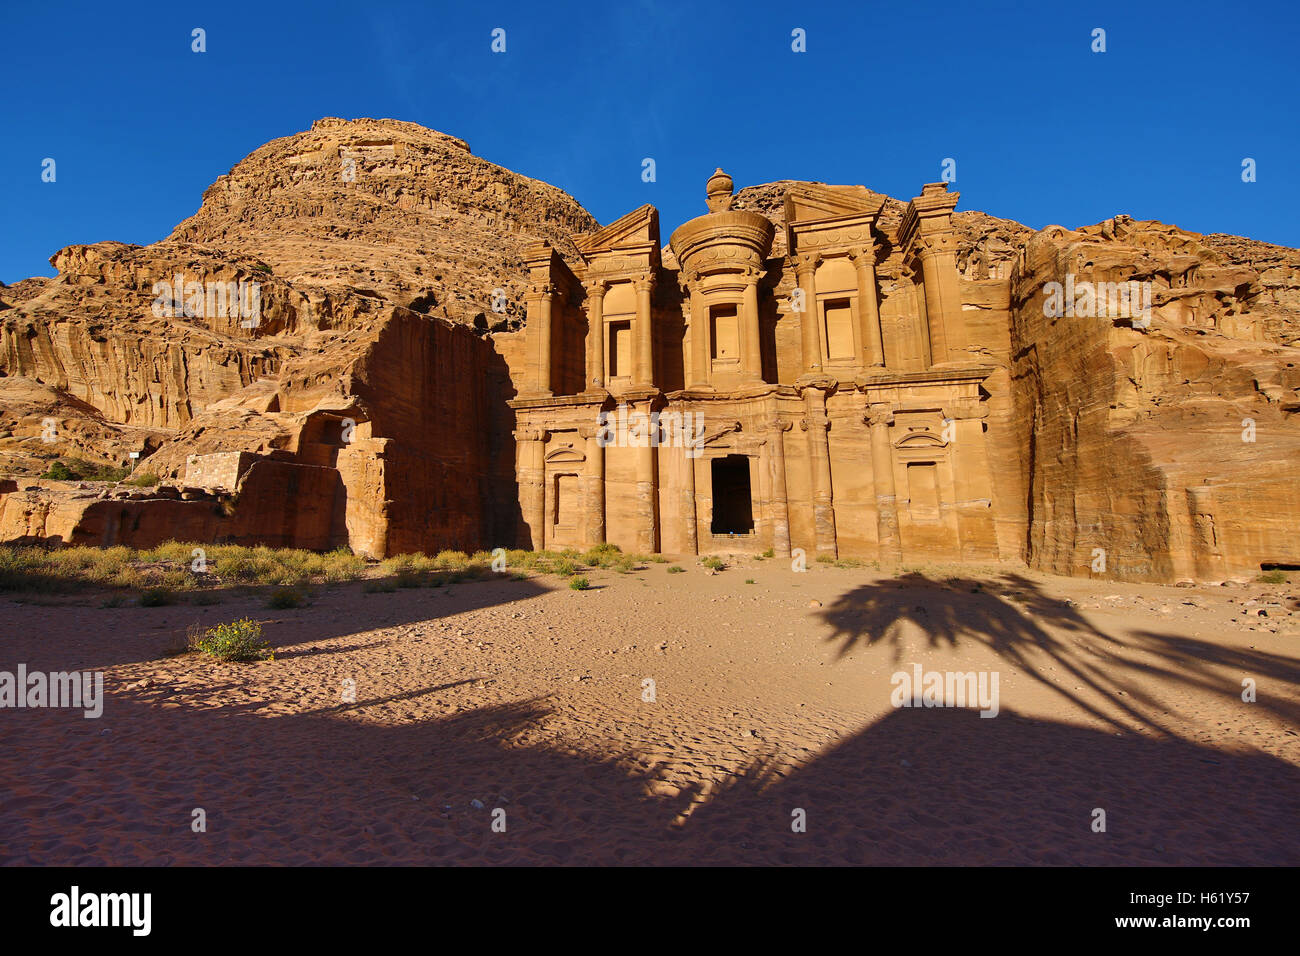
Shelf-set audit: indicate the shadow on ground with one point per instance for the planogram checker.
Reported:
(918, 786)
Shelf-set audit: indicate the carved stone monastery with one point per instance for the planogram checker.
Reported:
(809, 410)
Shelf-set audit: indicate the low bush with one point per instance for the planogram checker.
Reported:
(286, 598)
(155, 597)
(237, 641)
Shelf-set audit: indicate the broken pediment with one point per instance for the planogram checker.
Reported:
(813, 202)
(637, 228)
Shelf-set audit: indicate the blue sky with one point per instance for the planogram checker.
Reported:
(1042, 129)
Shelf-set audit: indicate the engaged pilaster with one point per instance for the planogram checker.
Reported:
(879, 418)
(817, 424)
(805, 267)
(531, 474)
(596, 334)
(775, 433)
(864, 261)
(644, 333)
(593, 491)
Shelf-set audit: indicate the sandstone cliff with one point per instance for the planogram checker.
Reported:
(370, 387)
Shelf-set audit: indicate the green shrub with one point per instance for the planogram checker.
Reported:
(75, 469)
(749, 580)
(341, 565)
(155, 597)
(565, 568)
(825, 559)
(238, 641)
(713, 563)
(579, 583)
(286, 598)
(769, 553)
(601, 555)
(145, 480)
(378, 586)
(1273, 577)
(451, 559)
(676, 569)
(60, 472)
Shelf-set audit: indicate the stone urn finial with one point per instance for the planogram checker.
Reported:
(718, 191)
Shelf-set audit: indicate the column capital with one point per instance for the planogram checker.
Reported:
(864, 255)
(812, 422)
(540, 290)
(644, 283)
(776, 426)
(928, 244)
(879, 414)
(531, 434)
(805, 262)
(596, 287)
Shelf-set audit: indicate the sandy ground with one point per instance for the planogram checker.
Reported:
(770, 698)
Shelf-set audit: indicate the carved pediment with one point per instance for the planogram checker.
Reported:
(812, 202)
(713, 434)
(565, 454)
(922, 440)
(637, 228)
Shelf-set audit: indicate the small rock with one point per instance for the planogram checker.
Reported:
(476, 804)
(814, 603)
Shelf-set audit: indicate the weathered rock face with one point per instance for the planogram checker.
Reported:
(346, 307)
(1165, 450)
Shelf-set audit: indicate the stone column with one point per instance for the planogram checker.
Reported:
(644, 334)
(873, 343)
(688, 501)
(593, 491)
(700, 358)
(806, 272)
(922, 314)
(646, 492)
(780, 500)
(753, 365)
(531, 471)
(688, 336)
(880, 417)
(816, 424)
(596, 334)
(544, 298)
(942, 297)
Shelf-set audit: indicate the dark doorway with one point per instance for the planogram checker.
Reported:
(732, 510)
